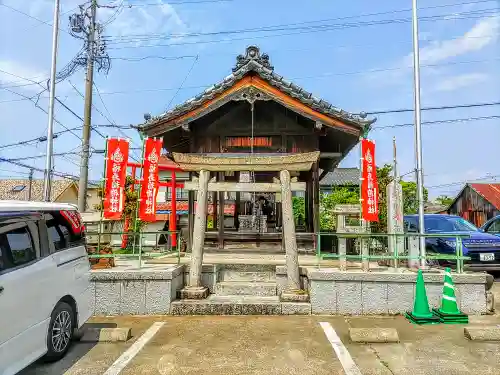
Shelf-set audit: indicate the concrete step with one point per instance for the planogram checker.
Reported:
(245, 288)
(231, 275)
(238, 305)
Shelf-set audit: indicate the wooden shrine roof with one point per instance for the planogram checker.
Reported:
(254, 69)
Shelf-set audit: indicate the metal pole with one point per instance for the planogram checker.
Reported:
(52, 91)
(84, 165)
(418, 134)
(30, 185)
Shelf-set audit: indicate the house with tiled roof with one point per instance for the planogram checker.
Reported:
(63, 190)
(340, 177)
(477, 202)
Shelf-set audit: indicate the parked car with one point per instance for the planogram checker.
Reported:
(483, 248)
(492, 226)
(44, 281)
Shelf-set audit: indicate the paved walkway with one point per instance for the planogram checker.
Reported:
(166, 345)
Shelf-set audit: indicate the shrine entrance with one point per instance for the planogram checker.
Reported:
(242, 134)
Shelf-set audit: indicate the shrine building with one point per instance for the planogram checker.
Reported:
(247, 145)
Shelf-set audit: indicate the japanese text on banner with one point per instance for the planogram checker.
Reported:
(116, 172)
(369, 186)
(149, 184)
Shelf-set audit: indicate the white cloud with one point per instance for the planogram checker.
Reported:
(483, 33)
(460, 81)
(140, 22)
(18, 69)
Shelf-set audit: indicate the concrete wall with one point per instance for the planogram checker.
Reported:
(361, 293)
(137, 292)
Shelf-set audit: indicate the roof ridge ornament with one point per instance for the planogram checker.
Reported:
(252, 53)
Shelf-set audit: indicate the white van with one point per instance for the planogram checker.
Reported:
(44, 281)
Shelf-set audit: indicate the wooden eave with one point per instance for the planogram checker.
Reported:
(161, 126)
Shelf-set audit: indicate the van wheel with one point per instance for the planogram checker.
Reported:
(60, 332)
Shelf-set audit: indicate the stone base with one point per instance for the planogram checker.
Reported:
(294, 296)
(190, 292)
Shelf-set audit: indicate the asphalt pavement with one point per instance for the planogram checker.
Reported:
(220, 345)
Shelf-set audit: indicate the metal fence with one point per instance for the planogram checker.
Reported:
(138, 245)
(375, 247)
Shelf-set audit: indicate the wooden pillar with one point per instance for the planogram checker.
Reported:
(237, 203)
(190, 215)
(221, 213)
(315, 198)
(309, 202)
(214, 206)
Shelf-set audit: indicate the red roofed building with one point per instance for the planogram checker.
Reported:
(477, 203)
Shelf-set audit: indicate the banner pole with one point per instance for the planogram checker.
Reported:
(137, 206)
(102, 195)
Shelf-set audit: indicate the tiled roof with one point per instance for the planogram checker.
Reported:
(7, 192)
(490, 192)
(254, 61)
(167, 162)
(341, 176)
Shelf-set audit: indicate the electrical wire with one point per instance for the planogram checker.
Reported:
(42, 109)
(113, 122)
(318, 76)
(39, 139)
(293, 25)
(305, 30)
(183, 82)
(30, 16)
(448, 121)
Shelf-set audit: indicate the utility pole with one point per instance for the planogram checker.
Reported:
(30, 184)
(50, 129)
(87, 115)
(418, 134)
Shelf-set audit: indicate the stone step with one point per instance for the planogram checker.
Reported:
(245, 288)
(230, 275)
(243, 267)
(238, 305)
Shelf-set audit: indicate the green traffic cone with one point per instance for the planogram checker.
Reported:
(421, 313)
(449, 312)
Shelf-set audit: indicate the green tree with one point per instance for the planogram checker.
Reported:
(445, 200)
(130, 208)
(410, 197)
(338, 195)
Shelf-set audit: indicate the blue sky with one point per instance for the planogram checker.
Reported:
(354, 65)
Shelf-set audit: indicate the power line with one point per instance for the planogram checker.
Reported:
(30, 16)
(299, 25)
(39, 139)
(45, 111)
(318, 76)
(487, 177)
(175, 58)
(130, 4)
(449, 121)
(456, 106)
(306, 30)
(183, 81)
(113, 122)
(55, 173)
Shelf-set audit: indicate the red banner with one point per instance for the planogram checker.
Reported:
(116, 172)
(149, 183)
(369, 186)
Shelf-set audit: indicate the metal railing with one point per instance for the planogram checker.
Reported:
(400, 252)
(136, 242)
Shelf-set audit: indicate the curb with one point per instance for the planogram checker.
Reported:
(373, 335)
(491, 333)
(103, 334)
